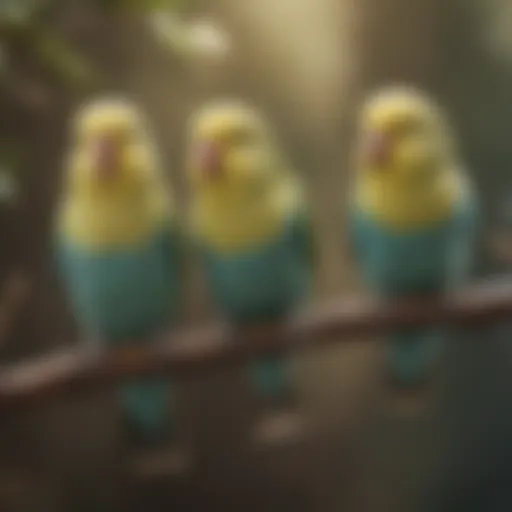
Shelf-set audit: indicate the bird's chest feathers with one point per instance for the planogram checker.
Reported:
(112, 222)
(234, 227)
(399, 207)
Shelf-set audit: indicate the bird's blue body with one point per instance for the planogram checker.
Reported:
(401, 264)
(126, 295)
(263, 284)
(122, 293)
(260, 283)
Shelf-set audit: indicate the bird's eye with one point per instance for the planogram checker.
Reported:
(406, 129)
(126, 135)
(241, 138)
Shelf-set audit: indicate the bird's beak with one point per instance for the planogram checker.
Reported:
(209, 160)
(377, 148)
(107, 157)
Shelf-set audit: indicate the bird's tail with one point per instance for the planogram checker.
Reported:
(270, 376)
(412, 353)
(146, 404)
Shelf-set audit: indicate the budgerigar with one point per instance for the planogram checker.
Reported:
(251, 221)
(413, 215)
(119, 248)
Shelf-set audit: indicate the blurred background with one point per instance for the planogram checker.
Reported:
(308, 63)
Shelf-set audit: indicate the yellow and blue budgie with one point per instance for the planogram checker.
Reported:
(119, 248)
(413, 215)
(251, 222)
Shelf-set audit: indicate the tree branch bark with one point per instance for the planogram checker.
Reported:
(196, 350)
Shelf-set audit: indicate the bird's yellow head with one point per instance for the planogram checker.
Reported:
(231, 152)
(403, 137)
(111, 151)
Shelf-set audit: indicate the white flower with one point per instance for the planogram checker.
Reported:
(209, 39)
(199, 38)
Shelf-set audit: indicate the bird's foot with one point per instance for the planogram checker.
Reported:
(174, 461)
(280, 427)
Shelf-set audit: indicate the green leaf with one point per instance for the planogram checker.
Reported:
(18, 12)
(68, 63)
(146, 5)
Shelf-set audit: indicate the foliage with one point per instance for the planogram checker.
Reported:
(29, 33)
(28, 24)
(143, 4)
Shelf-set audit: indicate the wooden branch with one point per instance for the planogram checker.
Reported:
(195, 350)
